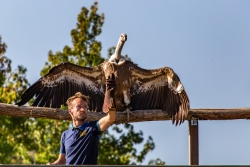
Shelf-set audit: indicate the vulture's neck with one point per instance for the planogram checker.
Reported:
(118, 50)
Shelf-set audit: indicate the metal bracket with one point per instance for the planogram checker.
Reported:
(194, 122)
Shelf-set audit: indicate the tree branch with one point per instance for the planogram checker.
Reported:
(123, 117)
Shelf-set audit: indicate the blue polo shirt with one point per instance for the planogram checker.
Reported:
(80, 144)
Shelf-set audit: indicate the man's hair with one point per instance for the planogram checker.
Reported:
(77, 95)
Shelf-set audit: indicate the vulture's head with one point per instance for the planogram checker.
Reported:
(123, 37)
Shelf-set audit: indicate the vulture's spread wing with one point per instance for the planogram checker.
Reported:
(65, 80)
(159, 89)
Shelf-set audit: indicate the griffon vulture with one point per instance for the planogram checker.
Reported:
(136, 88)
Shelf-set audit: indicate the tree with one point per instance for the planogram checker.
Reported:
(44, 135)
(5, 63)
(23, 140)
(86, 51)
(15, 140)
(120, 150)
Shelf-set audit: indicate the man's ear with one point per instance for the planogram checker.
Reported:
(70, 112)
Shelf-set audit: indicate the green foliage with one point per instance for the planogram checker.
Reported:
(4, 62)
(24, 140)
(13, 83)
(48, 139)
(86, 50)
(14, 136)
(121, 150)
(156, 162)
(3, 46)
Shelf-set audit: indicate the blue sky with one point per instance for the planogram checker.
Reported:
(207, 43)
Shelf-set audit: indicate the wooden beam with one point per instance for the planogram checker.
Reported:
(220, 114)
(59, 114)
(123, 117)
(193, 142)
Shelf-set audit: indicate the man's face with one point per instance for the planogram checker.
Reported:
(79, 109)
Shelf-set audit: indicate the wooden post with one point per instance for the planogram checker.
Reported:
(193, 142)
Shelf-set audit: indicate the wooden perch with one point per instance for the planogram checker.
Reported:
(123, 117)
(52, 113)
(220, 114)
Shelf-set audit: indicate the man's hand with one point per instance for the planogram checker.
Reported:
(60, 161)
(109, 100)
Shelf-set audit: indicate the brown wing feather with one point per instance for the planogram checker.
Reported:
(63, 81)
(159, 89)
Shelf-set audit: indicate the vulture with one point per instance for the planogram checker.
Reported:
(136, 88)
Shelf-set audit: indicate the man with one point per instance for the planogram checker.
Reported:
(79, 145)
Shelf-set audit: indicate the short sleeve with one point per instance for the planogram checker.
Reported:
(98, 126)
(62, 144)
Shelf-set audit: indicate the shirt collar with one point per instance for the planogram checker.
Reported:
(81, 127)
